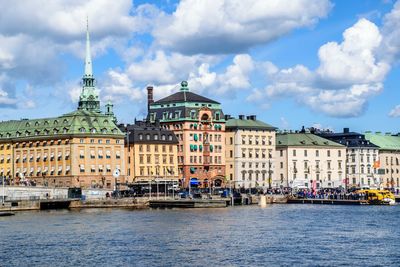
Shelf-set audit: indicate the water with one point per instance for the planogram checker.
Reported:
(279, 235)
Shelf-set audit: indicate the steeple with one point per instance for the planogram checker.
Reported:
(89, 98)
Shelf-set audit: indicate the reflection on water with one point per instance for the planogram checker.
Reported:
(279, 235)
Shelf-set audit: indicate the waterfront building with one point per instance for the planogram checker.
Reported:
(199, 124)
(389, 158)
(81, 148)
(307, 160)
(151, 153)
(361, 158)
(250, 152)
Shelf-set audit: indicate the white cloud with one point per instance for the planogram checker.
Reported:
(391, 34)
(354, 60)
(231, 26)
(349, 74)
(118, 86)
(395, 112)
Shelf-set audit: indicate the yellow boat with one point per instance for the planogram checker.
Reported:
(378, 197)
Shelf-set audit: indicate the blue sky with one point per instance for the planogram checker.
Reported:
(330, 64)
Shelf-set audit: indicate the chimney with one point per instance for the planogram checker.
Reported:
(346, 130)
(227, 117)
(150, 99)
(253, 117)
(241, 117)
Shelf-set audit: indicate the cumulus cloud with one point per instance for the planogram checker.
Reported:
(232, 26)
(349, 74)
(35, 35)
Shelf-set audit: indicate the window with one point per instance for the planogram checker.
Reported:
(317, 153)
(294, 152)
(328, 153)
(305, 153)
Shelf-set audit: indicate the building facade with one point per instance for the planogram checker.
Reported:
(361, 158)
(307, 160)
(81, 148)
(199, 124)
(389, 158)
(151, 153)
(250, 151)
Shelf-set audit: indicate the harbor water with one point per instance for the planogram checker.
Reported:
(278, 235)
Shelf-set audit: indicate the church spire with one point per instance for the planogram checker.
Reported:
(89, 98)
(88, 61)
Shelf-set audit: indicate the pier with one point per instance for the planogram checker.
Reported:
(326, 201)
(189, 203)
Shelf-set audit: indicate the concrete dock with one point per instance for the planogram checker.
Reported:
(189, 203)
(326, 201)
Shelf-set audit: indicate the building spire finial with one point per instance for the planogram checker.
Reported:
(88, 61)
(89, 98)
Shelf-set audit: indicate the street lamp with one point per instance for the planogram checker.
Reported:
(269, 174)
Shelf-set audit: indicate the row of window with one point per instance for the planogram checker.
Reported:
(100, 155)
(158, 171)
(257, 140)
(306, 153)
(38, 157)
(255, 165)
(207, 159)
(156, 148)
(99, 168)
(156, 159)
(199, 137)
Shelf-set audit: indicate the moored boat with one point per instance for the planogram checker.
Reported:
(377, 197)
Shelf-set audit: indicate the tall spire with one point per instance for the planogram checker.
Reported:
(88, 61)
(89, 98)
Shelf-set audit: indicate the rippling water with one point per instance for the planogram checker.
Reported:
(279, 235)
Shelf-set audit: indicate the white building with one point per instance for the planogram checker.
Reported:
(304, 158)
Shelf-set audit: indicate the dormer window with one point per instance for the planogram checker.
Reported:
(46, 123)
(55, 131)
(82, 130)
(114, 131)
(46, 132)
(65, 121)
(93, 130)
(163, 137)
(55, 122)
(37, 123)
(104, 130)
(65, 130)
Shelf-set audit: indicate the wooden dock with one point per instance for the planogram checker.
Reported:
(189, 203)
(326, 201)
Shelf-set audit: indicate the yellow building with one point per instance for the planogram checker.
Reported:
(151, 153)
(6, 164)
(82, 148)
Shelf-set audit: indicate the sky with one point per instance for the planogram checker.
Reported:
(322, 63)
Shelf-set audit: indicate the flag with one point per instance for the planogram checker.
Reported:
(377, 164)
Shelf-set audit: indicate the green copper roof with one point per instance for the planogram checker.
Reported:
(304, 139)
(385, 142)
(233, 124)
(80, 122)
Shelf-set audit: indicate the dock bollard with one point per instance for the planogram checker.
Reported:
(263, 201)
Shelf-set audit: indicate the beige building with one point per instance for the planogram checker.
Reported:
(303, 159)
(151, 153)
(250, 150)
(388, 165)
